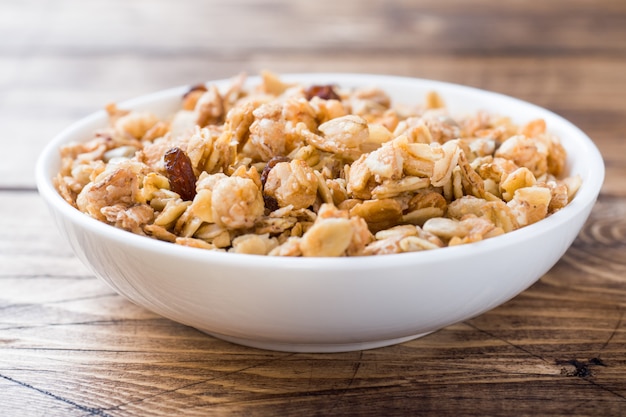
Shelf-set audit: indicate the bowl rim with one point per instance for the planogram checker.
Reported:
(586, 195)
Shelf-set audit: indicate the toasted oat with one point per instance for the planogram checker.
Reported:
(293, 170)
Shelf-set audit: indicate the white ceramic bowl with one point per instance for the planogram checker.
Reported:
(329, 304)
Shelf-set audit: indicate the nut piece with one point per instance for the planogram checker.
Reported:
(379, 214)
(530, 204)
(346, 136)
(526, 152)
(446, 228)
(520, 178)
(237, 202)
(328, 237)
(292, 183)
(118, 186)
(254, 244)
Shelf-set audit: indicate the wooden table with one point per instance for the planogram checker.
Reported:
(69, 346)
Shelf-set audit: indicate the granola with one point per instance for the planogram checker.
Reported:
(294, 170)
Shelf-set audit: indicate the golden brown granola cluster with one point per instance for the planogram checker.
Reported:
(297, 170)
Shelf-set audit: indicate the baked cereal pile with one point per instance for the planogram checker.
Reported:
(297, 170)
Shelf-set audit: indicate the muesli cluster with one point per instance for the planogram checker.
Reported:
(315, 170)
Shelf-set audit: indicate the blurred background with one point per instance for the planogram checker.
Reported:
(555, 350)
(62, 59)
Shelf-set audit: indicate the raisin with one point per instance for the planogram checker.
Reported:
(325, 92)
(271, 204)
(180, 173)
(271, 164)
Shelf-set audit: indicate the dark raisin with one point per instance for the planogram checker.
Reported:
(325, 92)
(180, 173)
(271, 164)
(271, 204)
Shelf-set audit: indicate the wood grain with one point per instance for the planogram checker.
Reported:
(69, 346)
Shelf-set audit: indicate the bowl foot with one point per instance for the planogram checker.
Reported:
(314, 347)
